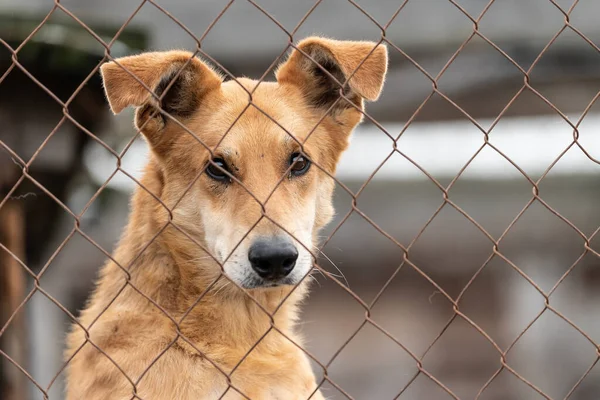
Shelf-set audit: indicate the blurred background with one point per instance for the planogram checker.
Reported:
(544, 243)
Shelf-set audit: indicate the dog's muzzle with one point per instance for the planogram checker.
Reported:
(273, 258)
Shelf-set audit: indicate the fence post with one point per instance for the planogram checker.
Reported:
(12, 292)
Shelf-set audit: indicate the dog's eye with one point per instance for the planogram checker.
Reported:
(299, 163)
(216, 170)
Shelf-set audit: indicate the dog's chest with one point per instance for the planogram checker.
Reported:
(213, 385)
(256, 378)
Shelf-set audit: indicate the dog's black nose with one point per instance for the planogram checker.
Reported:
(272, 258)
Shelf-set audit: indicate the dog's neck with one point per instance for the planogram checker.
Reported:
(169, 276)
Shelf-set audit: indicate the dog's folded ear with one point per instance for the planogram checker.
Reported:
(365, 63)
(156, 70)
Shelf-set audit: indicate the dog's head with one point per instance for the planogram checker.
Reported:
(263, 155)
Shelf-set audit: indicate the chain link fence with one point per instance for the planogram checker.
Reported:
(16, 269)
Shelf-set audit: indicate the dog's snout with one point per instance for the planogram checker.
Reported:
(272, 258)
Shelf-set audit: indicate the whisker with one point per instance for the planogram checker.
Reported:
(335, 266)
(222, 287)
(314, 278)
(198, 259)
(319, 271)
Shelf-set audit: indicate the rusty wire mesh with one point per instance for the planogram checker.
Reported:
(406, 262)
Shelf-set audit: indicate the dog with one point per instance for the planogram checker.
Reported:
(221, 227)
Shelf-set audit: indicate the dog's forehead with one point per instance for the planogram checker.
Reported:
(277, 103)
(274, 116)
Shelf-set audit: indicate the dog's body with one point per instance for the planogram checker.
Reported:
(166, 320)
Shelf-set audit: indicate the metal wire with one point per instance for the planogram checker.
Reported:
(407, 259)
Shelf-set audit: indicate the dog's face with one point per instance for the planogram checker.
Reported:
(250, 182)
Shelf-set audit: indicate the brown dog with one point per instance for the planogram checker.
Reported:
(160, 349)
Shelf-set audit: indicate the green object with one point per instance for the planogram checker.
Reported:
(71, 44)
